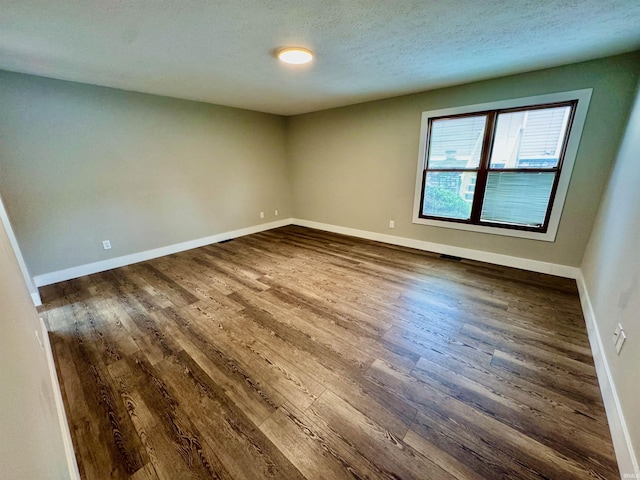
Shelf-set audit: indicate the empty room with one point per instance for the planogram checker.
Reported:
(319, 240)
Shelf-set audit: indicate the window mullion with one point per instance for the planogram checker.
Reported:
(481, 180)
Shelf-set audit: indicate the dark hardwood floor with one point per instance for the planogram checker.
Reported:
(295, 354)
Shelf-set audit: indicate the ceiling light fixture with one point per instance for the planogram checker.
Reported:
(295, 55)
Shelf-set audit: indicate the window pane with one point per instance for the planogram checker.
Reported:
(456, 142)
(449, 194)
(517, 198)
(530, 139)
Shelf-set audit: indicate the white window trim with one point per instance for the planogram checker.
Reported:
(583, 97)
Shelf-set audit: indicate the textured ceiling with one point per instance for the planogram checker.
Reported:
(223, 51)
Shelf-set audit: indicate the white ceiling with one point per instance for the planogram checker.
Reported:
(223, 51)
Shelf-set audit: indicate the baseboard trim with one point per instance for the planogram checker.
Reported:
(627, 461)
(101, 266)
(494, 258)
(468, 253)
(74, 473)
(35, 298)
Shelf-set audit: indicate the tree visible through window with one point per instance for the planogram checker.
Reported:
(496, 168)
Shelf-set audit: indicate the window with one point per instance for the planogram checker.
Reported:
(500, 168)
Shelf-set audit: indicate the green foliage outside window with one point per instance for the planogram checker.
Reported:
(445, 203)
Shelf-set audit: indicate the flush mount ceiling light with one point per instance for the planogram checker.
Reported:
(295, 55)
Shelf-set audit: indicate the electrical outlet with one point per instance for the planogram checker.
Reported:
(261, 214)
(106, 244)
(621, 338)
(276, 213)
(392, 224)
(616, 333)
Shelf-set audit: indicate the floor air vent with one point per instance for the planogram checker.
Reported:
(450, 257)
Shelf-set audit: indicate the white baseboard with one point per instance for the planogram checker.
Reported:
(627, 461)
(35, 298)
(495, 258)
(101, 266)
(74, 474)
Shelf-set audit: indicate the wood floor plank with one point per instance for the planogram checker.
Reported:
(567, 440)
(571, 385)
(375, 443)
(236, 437)
(563, 409)
(304, 447)
(148, 472)
(270, 370)
(353, 343)
(332, 374)
(107, 413)
(526, 456)
(317, 451)
(456, 468)
(232, 373)
(295, 353)
(178, 427)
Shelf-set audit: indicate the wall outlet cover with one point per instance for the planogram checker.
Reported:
(621, 338)
(616, 333)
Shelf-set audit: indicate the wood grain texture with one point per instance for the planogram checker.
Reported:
(295, 354)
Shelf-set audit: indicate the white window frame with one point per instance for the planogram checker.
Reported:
(580, 115)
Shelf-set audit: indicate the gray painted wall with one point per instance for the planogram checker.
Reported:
(611, 271)
(356, 166)
(80, 164)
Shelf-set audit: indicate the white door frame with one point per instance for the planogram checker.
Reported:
(4, 218)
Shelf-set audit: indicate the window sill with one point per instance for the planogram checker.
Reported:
(549, 236)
